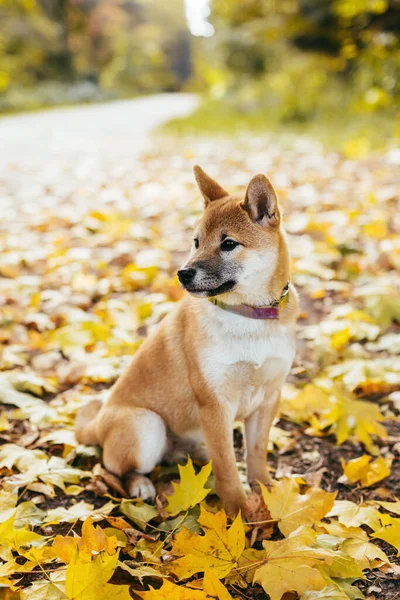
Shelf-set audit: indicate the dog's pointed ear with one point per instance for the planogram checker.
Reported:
(261, 202)
(210, 189)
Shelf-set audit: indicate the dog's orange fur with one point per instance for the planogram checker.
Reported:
(176, 394)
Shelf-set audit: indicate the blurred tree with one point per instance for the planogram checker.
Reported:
(295, 56)
(118, 46)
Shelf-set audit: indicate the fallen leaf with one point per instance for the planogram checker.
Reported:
(390, 533)
(366, 472)
(355, 542)
(213, 587)
(190, 490)
(290, 565)
(140, 512)
(393, 507)
(52, 588)
(89, 580)
(353, 515)
(79, 511)
(343, 591)
(170, 591)
(140, 571)
(12, 538)
(218, 549)
(291, 509)
(92, 542)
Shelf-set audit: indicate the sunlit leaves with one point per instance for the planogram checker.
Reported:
(290, 565)
(139, 512)
(79, 511)
(92, 542)
(390, 532)
(218, 549)
(214, 587)
(88, 580)
(291, 509)
(332, 410)
(12, 538)
(36, 465)
(393, 507)
(354, 515)
(171, 591)
(190, 491)
(339, 590)
(52, 588)
(353, 542)
(366, 472)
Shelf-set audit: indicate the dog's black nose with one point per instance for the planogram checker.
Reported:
(186, 275)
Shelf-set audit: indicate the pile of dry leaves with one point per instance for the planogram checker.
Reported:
(89, 254)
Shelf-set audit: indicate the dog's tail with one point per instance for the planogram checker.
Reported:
(85, 423)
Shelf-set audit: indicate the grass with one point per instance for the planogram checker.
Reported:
(356, 134)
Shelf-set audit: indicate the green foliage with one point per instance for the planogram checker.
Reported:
(303, 61)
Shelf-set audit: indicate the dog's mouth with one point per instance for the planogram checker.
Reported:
(221, 289)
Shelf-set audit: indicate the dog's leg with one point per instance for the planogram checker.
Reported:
(217, 423)
(85, 423)
(134, 442)
(257, 428)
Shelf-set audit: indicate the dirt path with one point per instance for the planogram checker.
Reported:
(87, 133)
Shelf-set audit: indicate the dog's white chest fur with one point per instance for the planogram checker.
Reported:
(245, 360)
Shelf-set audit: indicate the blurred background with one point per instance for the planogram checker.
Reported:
(328, 65)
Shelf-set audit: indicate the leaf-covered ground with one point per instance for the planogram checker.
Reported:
(89, 255)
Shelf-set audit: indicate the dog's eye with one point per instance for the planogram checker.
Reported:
(229, 245)
(196, 243)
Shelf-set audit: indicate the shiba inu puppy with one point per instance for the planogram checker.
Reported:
(221, 354)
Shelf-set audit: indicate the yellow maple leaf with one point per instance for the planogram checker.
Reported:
(366, 472)
(190, 491)
(89, 580)
(213, 586)
(366, 554)
(93, 541)
(290, 565)
(170, 591)
(218, 549)
(356, 544)
(390, 533)
(393, 507)
(309, 401)
(291, 509)
(354, 515)
(337, 590)
(360, 419)
(336, 412)
(51, 588)
(140, 512)
(12, 538)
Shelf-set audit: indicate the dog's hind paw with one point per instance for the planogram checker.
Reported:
(139, 486)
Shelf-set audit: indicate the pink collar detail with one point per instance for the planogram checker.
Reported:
(256, 312)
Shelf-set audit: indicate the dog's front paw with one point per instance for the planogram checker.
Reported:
(233, 501)
(140, 486)
(260, 476)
